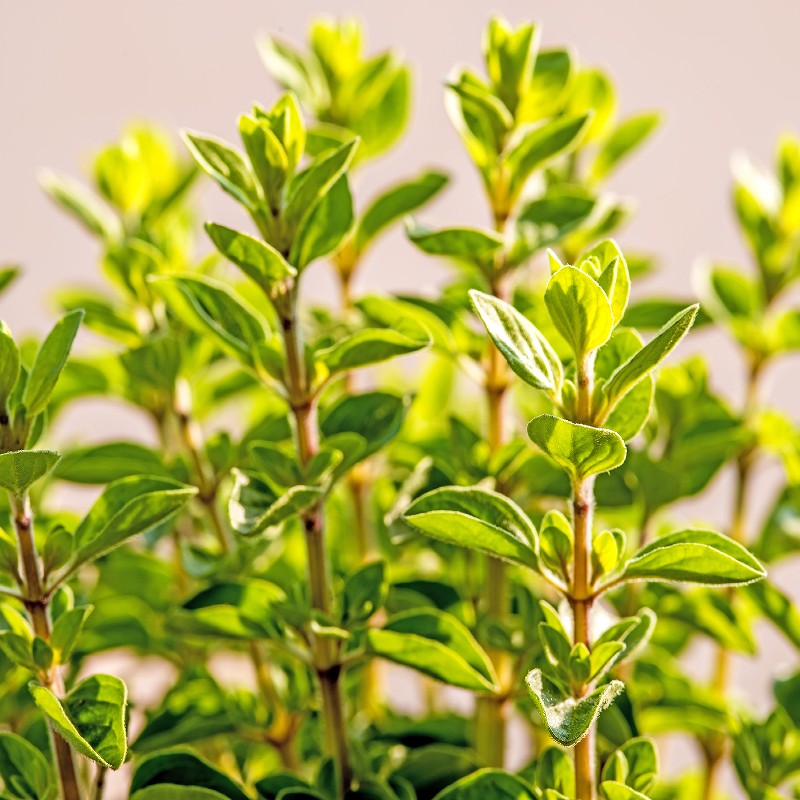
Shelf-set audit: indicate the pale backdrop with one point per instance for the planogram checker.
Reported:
(71, 74)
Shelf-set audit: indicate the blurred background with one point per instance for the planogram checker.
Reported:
(725, 76)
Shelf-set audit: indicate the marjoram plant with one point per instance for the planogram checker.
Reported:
(498, 515)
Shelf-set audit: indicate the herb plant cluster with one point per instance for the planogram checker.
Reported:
(352, 537)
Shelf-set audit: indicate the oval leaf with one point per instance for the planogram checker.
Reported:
(695, 556)
(20, 469)
(568, 719)
(580, 310)
(126, 508)
(436, 644)
(526, 350)
(24, 770)
(488, 783)
(91, 717)
(477, 519)
(580, 449)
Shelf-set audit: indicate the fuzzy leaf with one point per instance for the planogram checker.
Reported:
(695, 556)
(579, 309)
(436, 644)
(642, 362)
(526, 350)
(568, 720)
(20, 469)
(580, 449)
(477, 519)
(91, 717)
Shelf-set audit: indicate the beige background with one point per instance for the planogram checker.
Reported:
(71, 74)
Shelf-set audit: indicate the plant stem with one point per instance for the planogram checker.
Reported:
(325, 651)
(282, 730)
(37, 602)
(581, 589)
(716, 748)
(492, 710)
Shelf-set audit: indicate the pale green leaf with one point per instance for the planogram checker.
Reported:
(580, 449)
(695, 556)
(477, 519)
(523, 346)
(50, 360)
(568, 719)
(259, 261)
(579, 309)
(20, 469)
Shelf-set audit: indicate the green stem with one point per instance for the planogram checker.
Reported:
(581, 598)
(716, 748)
(37, 602)
(325, 651)
(492, 710)
(281, 731)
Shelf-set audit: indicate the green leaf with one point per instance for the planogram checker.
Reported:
(639, 759)
(580, 449)
(24, 770)
(624, 139)
(371, 346)
(232, 610)
(375, 417)
(607, 265)
(259, 261)
(66, 630)
(267, 157)
(436, 644)
(778, 608)
(546, 220)
(534, 146)
(394, 204)
(252, 512)
(695, 556)
(185, 769)
(103, 463)
(211, 308)
(20, 469)
(641, 363)
(9, 365)
(126, 508)
(477, 519)
(568, 720)
(311, 186)
(323, 229)
(91, 717)
(579, 309)
(612, 790)
(364, 593)
(50, 360)
(554, 771)
(471, 244)
(77, 200)
(488, 784)
(172, 791)
(225, 165)
(523, 346)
